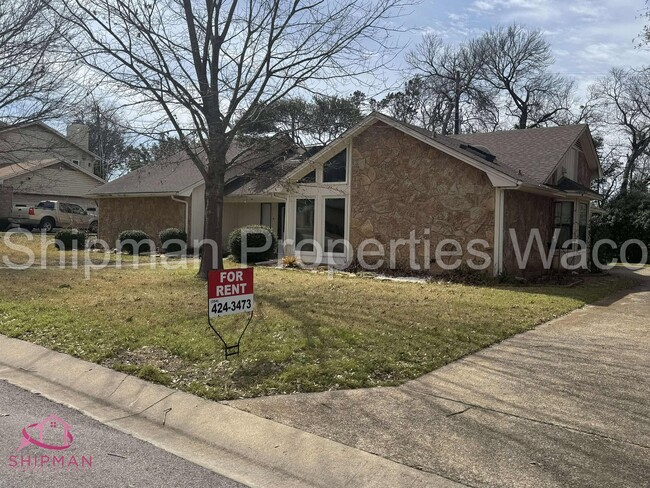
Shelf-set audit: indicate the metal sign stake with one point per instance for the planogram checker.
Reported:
(231, 350)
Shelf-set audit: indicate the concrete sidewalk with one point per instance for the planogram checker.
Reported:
(238, 445)
(566, 404)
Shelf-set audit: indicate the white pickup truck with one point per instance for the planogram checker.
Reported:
(50, 214)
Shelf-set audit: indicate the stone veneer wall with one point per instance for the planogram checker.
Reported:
(150, 214)
(524, 212)
(400, 184)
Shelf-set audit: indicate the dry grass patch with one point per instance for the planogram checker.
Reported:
(309, 332)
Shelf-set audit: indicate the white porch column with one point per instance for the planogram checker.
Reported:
(499, 211)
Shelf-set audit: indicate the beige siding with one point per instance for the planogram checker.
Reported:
(197, 212)
(60, 180)
(35, 143)
(236, 215)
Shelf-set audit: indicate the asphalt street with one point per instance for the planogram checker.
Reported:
(98, 456)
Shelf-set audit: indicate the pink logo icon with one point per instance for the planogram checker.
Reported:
(52, 425)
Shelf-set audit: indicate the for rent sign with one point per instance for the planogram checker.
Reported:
(230, 291)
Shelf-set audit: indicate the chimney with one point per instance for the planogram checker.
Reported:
(78, 134)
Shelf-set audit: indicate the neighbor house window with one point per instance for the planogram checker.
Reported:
(583, 217)
(265, 214)
(305, 211)
(334, 224)
(75, 161)
(334, 170)
(564, 221)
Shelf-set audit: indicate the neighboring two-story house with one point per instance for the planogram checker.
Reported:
(39, 163)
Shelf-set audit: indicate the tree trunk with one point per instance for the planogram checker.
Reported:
(212, 255)
(627, 174)
(457, 104)
(523, 118)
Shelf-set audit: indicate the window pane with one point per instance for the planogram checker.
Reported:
(567, 212)
(583, 210)
(565, 235)
(334, 224)
(265, 217)
(308, 178)
(334, 169)
(564, 221)
(305, 223)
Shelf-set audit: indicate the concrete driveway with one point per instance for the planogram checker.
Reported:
(566, 404)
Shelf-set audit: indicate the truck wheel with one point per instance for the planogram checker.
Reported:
(47, 224)
(92, 228)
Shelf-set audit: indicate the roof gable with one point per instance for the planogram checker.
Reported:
(49, 129)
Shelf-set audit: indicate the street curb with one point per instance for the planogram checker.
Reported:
(244, 447)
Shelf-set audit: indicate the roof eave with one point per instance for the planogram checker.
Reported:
(133, 195)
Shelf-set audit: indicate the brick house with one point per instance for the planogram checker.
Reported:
(382, 181)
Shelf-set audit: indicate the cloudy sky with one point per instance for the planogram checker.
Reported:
(588, 36)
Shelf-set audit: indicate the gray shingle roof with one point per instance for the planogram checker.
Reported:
(178, 172)
(534, 152)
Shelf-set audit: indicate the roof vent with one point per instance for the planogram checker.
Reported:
(480, 151)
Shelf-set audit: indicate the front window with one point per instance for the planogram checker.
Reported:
(583, 217)
(334, 170)
(334, 224)
(305, 211)
(564, 221)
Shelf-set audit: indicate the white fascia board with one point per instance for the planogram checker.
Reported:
(594, 153)
(187, 191)
(550, 192)
(270, 198)
(131, 195)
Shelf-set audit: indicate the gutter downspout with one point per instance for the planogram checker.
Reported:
(499, 210)
(187, 214)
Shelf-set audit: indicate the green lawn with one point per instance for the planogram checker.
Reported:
(310, 332)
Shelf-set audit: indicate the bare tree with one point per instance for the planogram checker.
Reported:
(451, 84)
(34, 81)
(623, 99)
(209, 65)
(110, 137)
(516, 62)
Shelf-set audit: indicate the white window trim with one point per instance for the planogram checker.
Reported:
(575, 231)
(320, 191)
